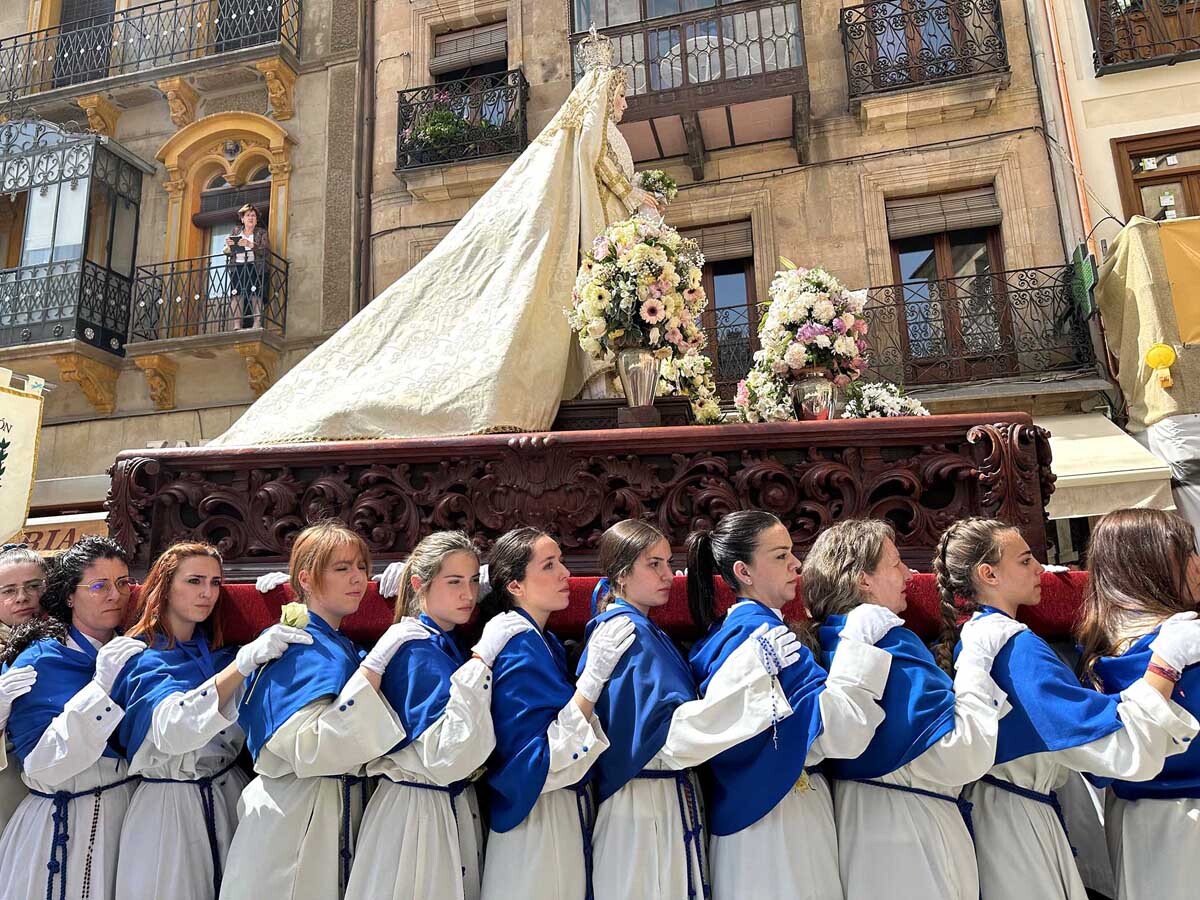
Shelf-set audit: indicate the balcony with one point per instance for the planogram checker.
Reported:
(1023, 322)
(209, 296)
(463, 120)
(164, 38)
(73, 299)
(729, 75)
(1134, 34)
(894, 45)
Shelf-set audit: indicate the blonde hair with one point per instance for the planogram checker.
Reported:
(839, 558)
(315, 548)
(425, 562)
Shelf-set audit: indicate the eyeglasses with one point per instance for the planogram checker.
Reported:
(32, 588)
(99, 588)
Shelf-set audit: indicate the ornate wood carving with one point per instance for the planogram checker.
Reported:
(919, 474)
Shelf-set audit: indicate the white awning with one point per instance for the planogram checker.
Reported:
(1101, 468)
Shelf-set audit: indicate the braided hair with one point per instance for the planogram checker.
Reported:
(961, 550)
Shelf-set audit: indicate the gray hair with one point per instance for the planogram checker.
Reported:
(424, 563)
(837, 561)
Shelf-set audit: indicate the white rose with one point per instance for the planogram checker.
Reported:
(597, 327)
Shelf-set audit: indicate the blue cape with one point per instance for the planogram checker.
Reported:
(155, 674)
(651, 680)
(1180, 777)
(529, 688)
(417, 681)
(918, 703)
(1051, 710)
(747, 781)
(305, 672)
(62, 673)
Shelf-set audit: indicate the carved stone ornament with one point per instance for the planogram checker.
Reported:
(160, 378)
(281, 83)
(102, 114)
(97, 380)
(261, 361)
(918, 474)
(181, 99)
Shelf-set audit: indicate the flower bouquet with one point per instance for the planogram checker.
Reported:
(659, 183)
(812, 339)
(878, 400)
(691, 376)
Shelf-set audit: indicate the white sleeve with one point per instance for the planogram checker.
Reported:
(1155, 728)
(849, 704)
(333, 737)
(462, 738)
(185, 722)
(75, 738)
(742, 700)
(575, 742)
(968, 751)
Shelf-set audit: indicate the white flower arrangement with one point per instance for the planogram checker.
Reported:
(880, 400)
(691, 377)
(658, 183)
(812, 322)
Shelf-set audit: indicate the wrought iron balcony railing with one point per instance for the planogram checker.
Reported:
(209, 295)
(896, 44)
(1002, 324)
(734, 47)
(471, 118)
(1133, 34)
(142, 39)
(58, 301)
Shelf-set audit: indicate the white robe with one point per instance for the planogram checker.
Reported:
(419, 842)
(165, 850)
(289, 818)
(639, 834)
(1022, 849)
(766, 859)
(543, 857)
(68, 757)
(12, 788)
(909, 846)
(1154, 846)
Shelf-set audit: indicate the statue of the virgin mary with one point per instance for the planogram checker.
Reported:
(474, 338)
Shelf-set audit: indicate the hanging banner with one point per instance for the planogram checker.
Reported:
(20, 426)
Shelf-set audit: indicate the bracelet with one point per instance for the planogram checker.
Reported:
(1166, 672)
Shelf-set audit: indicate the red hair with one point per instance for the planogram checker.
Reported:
(156, 591)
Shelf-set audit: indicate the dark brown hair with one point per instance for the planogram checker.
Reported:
(507, 562)
(717, 551)
(620, 547)
(1137, 568)
(962, 548)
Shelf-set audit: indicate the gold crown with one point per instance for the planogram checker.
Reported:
(595, 51)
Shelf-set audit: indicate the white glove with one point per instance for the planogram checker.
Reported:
(1178, 641)
(983, 637)
(605, 649)
(868, 623)
(112, 658)
(268, 646)
(392, 640)
(777, 647)
(13, 684)
(497, 633)
(389, 579)
(267, 583)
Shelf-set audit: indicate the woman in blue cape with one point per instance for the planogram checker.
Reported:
(903, 830)
(180, 734)
(763, 792)
(421, 834)
(1055, 726)
(650, 838)
(62, 840)
(313, 719)
(1144, 570)
(548, 737)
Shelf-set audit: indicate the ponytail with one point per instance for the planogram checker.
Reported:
(701, 591)
(507, 562)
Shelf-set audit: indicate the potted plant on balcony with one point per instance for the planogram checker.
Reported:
(433, 133)
(812, 339)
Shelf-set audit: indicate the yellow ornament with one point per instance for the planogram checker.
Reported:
(802, 783)
(1160, 358)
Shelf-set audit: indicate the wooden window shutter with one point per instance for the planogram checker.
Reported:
(915, 216)
(469, 47)
(717, 242)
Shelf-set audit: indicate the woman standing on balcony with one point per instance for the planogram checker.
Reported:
(62, 840)
(903, 830)
(249, 253)
(1144, 570)
(421, 834)
(547, 735)
(1056, 724)
(22, 583)
(180, 731)
(313, 719)
(650, 837)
